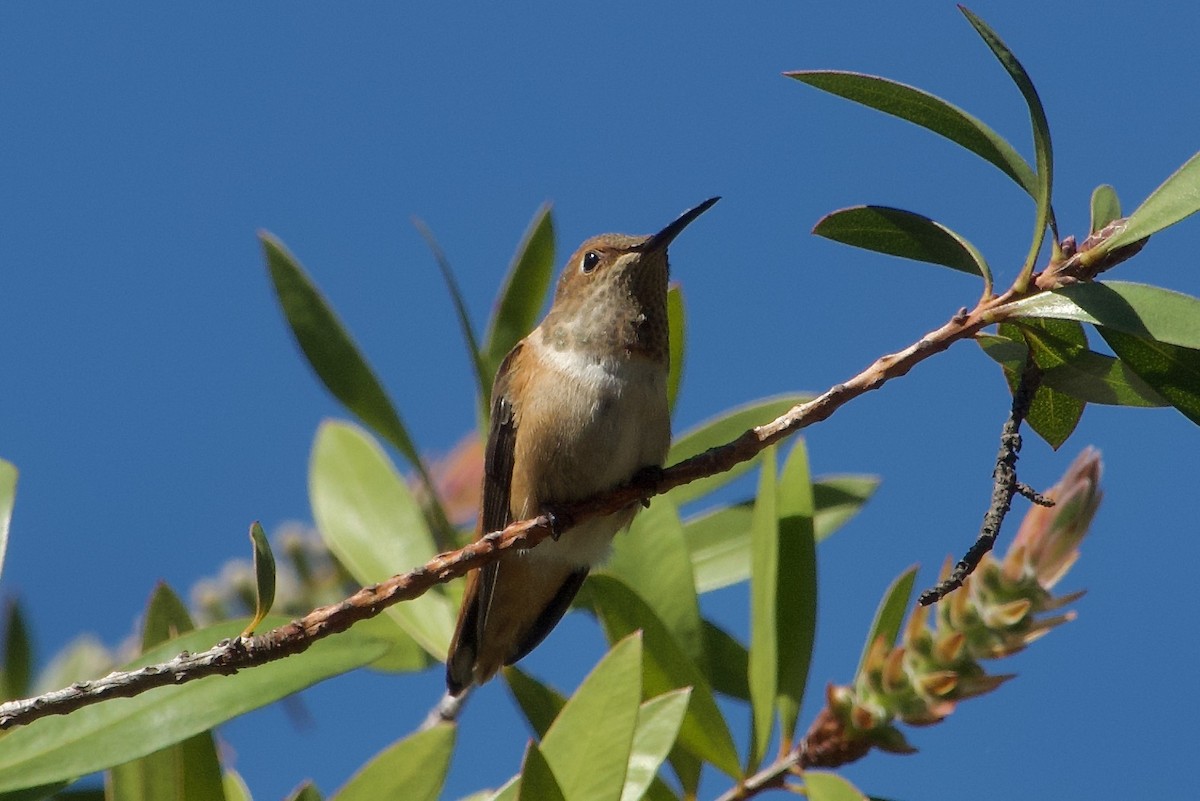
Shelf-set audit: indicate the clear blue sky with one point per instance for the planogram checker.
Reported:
(155, 405)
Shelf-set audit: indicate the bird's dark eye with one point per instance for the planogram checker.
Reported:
(590, 260)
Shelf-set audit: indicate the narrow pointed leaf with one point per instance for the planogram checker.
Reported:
(8, 497)
(483, 375)
(796, 589)
(166, 617)
(537, 778)
(658, 722)
(307, 791)
(413, 768)
(728, 662)
(18, 654)
(719, 539)
(1148, 312)
(719, 543)
(337, 361)
(236, 790)
(100, 736)
(719, 431)
(186, 771)
(905, 234)
(330, 350)
(890, 613)
(1177, 198)
(764, 578)
(660, 791)
(403, 655)
(653, 560)
(1054, 415)
(372, 524)
(822, 786)
(677, 330)
(666, 668)
(838, 498)
(1105, 207)
(1174, 372)
(540, 703)
(588, 745)
(523, 294)
(919, 107)
(264, 576)
(1084, 374)
(1041, 135)
(1060, 350)
(511, 789)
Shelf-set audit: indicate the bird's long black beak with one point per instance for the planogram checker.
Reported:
(664, 237)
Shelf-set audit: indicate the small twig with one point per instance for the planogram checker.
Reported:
(1004, 486)
(230, 656)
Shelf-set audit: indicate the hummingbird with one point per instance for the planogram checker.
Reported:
(579, 406)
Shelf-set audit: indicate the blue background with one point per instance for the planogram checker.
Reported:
(155, 405)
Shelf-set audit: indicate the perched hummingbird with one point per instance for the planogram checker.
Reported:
(579, 406)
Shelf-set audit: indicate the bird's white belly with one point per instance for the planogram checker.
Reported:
(619, 424)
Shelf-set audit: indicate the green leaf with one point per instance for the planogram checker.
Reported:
(919, 107)
(337, 361)
(167, 617)
(539, 702)
(413, 768)
(588, 745)
(677, 332)
(264, 576)
(890, 614)
(307, 791)
(330, 350)
(659, 791)
(838, 498)
(796, 586)
(1054, 415)
(727, 662)
(18, 654)
(1149, 312)
(1178, 197)
(905, 234)
(236, 789)
(403, 655)
(1173, 371)
(372, 524)
(523, 294)
(666, 667)
(1081, 373)
(186, 771)
(1041, 136)
(719, 431)
(764, 577)
(510, 790)
(658, 722)
(1105, 207)
(822, 786)
(537, 778)
(8, 497)
(652, 559)
(483, 374)
(97, 737)
(719, 540)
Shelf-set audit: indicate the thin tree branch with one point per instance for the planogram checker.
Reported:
(229, 656)
(1004, 486)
